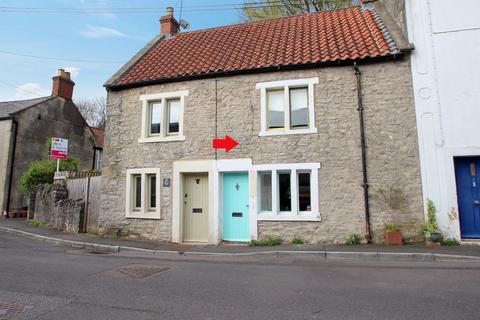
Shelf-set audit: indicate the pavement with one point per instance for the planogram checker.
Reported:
(412, 252)
(44, 281)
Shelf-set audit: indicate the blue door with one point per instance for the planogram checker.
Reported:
(467, 171)
(235, 207)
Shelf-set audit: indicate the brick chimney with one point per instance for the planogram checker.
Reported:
(63, 85)
(168, 25)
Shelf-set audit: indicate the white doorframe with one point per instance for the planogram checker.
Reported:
(194, 166)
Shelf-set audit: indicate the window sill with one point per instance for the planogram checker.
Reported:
(161, 139)
(279, 217)
(143, 215)
(286, 132)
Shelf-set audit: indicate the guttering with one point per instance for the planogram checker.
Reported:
(347, 62)
(11, 160)
(358, 76)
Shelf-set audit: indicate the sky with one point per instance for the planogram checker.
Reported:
(92, 42)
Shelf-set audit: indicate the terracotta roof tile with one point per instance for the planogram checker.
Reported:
(345, 34)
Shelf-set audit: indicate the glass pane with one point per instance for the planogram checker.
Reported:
(298, 107)
(275, 107)
(155, 117)
(304, 191)
(266, 191)
(284, 193)
(152, 180)
(173, 115)
(137, 191)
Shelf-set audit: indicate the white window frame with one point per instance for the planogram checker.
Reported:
(295, 214)
(286, 85)
(144, 212)
(147, 99)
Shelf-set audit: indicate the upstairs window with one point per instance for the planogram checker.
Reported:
(162, 118)
(287, 107)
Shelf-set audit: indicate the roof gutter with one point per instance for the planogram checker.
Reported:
(347, 62)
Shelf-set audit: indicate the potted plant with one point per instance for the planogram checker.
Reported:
(393, 235)
(430, 229)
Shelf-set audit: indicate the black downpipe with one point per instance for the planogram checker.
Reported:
(358, 75)
(11, 160)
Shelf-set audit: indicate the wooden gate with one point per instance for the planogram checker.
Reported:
(88, 190)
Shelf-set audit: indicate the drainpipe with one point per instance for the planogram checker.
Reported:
(11, 159)
(358, 76)
(216, 115)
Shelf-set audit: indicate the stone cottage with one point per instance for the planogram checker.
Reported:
(321, 107)
(25, 127)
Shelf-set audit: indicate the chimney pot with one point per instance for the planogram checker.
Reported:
(168, 24)
(63, 85)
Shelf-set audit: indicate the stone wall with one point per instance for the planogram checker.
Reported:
(53, 208)
(392, 149)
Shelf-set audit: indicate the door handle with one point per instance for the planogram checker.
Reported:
(477, 202)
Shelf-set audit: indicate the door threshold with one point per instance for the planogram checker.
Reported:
(234, 243)
(471, 242)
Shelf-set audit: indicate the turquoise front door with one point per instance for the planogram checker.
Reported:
(235, 207)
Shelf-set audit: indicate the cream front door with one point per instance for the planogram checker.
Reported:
(195, 207)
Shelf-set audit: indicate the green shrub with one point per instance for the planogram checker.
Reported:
(43, 171)
(297, 240)
(267, 241)
(431, 226)
(36, 223)
(354, 239)
(451, 242)
(392, 228)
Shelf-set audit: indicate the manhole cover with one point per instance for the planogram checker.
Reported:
(141, 271)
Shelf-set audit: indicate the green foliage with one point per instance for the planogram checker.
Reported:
(267, 241)
(451, 242)
(254, 10)
(36, 223)
(297, 240)
(354, 239)
(431, 226)
(41, 172)
(392, 228)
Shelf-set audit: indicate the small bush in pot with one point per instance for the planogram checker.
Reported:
(393, 235)
(430, 229)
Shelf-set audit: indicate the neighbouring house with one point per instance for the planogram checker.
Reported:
(446, 81)
(98, 137)
(322, 108)
(25, 128)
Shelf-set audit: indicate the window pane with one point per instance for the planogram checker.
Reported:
(304, 191)
(284, 193)
(173, 115)
(155, 117)
(276, 109)
(266, 191)
(152, 181)
(137, 191)
(298, 107)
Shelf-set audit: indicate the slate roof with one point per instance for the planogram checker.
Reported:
(8, 108)
(341, 35)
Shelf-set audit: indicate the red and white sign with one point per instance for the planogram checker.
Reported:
(59, 149)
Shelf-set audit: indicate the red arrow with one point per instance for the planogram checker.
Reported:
(227, 143)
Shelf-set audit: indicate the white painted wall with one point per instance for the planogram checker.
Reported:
(446, 79)
(5, 126)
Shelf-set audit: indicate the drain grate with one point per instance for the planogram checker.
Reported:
(10, 309)
(141, 271)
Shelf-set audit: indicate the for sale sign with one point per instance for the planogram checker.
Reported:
(59, 149)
